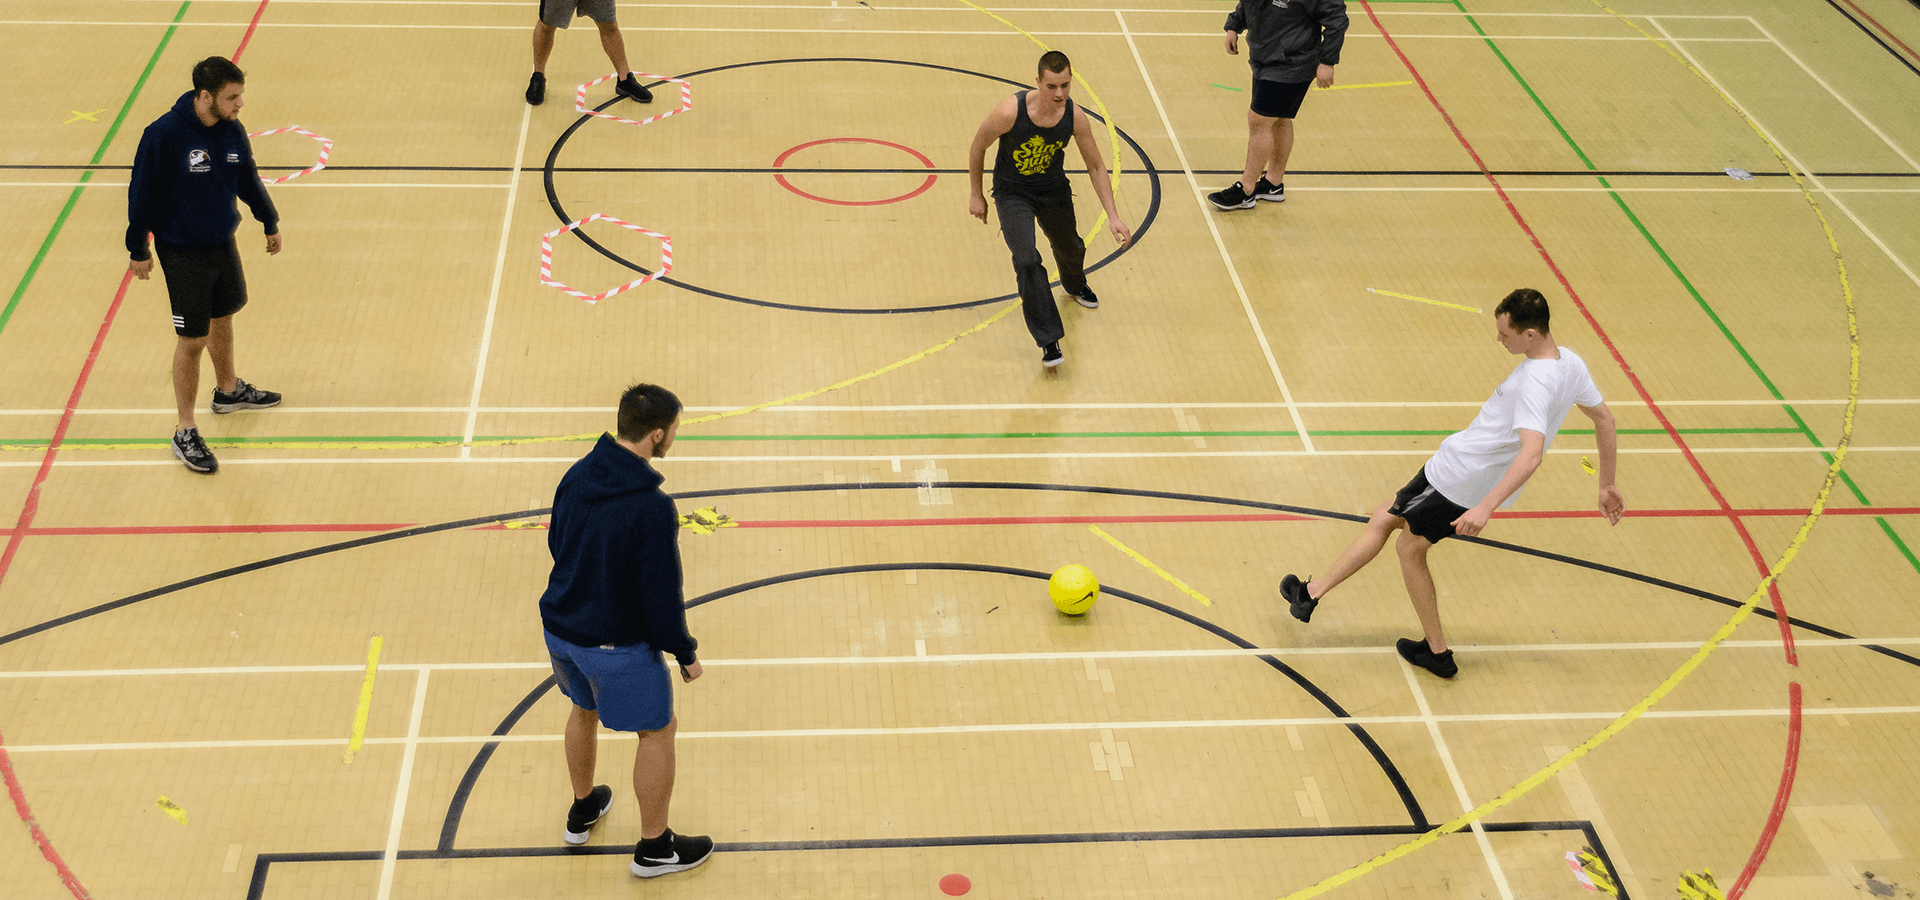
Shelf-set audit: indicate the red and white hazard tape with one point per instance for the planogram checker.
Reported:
(326, 147)
(546, 257)
(686, 98)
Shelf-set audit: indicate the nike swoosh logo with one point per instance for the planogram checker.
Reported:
(669, 861)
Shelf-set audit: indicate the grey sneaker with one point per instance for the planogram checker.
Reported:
(190, 449)
(1235, 197)
(1267, 190)
(244, 396)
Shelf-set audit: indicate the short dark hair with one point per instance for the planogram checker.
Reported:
(216, 72)
(644, 409)
(1054, 61)
(1525, 308)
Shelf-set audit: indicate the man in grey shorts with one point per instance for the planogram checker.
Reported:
(557, 14)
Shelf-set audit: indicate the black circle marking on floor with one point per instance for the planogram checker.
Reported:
(553, 197)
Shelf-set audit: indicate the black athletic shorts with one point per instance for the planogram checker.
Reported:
(1428, 514)
(204, 283)
(1277, 99)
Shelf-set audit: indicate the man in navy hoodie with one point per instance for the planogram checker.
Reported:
(192, 164)
(613, 605)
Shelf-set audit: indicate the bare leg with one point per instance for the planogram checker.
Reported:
(1426, 601)
(615, 45)
(653, 765)
(583, 749)
(1362, 551)
(1260, 132)
(1282, 148)
(220, 348)
(186, 377)
(542, 46)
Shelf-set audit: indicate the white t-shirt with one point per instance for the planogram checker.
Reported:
(1536, 397)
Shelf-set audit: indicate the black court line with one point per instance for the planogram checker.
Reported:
(450, 827)
(553, 197)
(263, 863)
(1876, 38)
(698, 170)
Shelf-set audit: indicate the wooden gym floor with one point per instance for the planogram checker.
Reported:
(889, 473)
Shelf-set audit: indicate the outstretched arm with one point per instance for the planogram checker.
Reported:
(1533, 449)
(1611, 504)
(1097, 171)
(997, 123)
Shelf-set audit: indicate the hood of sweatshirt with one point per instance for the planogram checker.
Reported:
(183, 108)
(612, 471)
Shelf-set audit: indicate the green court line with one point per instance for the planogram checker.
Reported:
(1725, 332)
(20, 290)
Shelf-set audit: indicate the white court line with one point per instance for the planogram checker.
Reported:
(1459, 784)
(1805, 172)
(412, 742)
(954, 407)
(493, 293)
(1206, 215)
(1015, 728)
(297, 185)
(1823, 83)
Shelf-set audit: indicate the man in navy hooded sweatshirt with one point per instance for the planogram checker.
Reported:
(613, 605)
(192, 164)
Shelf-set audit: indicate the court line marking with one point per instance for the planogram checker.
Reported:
(1149, 564)
(1453, 775)
(291, 185)
(1321, 189)
(1655, 21)
(357, 738)
(412, 743)
(493, 293)
(1213, 228)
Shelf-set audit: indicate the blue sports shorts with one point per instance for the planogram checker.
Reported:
(629, 686)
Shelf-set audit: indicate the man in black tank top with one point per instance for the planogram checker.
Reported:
(1030, 183)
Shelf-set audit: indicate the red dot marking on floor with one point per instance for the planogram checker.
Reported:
(955, 885)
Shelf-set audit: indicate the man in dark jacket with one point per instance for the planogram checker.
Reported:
(613, 605)
(193, 163)
(1291, 45)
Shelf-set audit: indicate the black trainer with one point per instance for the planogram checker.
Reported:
(243, 396)
(587, 811)
(537, 89)
(631, 88)
(1418, 653)
(1299, 601)
(1267, 190)
(1086, 298)
(670, 853)
(1051, 355)
(1235, 197)
(190, 449)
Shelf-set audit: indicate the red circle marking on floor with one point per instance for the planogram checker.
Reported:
(777, 163)
(955, 885)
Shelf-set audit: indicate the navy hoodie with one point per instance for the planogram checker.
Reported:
(615, 539)
(186, 177)
(1288, 40)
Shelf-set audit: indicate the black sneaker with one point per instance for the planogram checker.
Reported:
(631, 88)
(1267, 190)
(244, 396)
(1051, 355)
(587, 811)
(1086, 298)
(1419, 654)
(670, 853)
(1235, 197)
(1299, 601)
(190, 449)
(537, 89)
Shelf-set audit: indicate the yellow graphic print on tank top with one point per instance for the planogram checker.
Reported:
(1034, 156)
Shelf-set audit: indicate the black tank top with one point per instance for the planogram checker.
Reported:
(1030, 162)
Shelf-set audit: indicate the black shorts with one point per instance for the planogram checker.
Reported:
(1428, 514)
(1278, 99)
(203, 283)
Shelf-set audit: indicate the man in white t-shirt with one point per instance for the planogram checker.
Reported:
(1475, 471)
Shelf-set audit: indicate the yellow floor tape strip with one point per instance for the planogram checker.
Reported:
(1444, 303)
(1786, 557)
(359, 736)
(1149, 564)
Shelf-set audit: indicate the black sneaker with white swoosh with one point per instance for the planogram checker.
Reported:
(670, 853)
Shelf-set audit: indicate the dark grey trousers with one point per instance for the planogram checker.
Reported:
(1017, 217)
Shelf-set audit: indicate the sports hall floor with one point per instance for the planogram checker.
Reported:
(890, 474)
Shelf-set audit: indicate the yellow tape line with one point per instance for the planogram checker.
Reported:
(1348, 87)
(172, 809)
(1444, 303)
(366, 701)
(589, 436)
(1113, 131)
(1786, 557)
(1149, 564)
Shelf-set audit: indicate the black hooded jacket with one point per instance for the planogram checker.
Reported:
(186, 177)
(1287, 40)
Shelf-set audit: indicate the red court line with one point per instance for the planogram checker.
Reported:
(1883, 29)
(1779, 811)
(250, 27)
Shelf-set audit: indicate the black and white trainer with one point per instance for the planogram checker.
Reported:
(631, 88)
(586, 811)
(1086, 298)
(670, 853)
(243, 396)
(1268, 191)
(1235, 197)
(1051, 356)
(190, 449)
